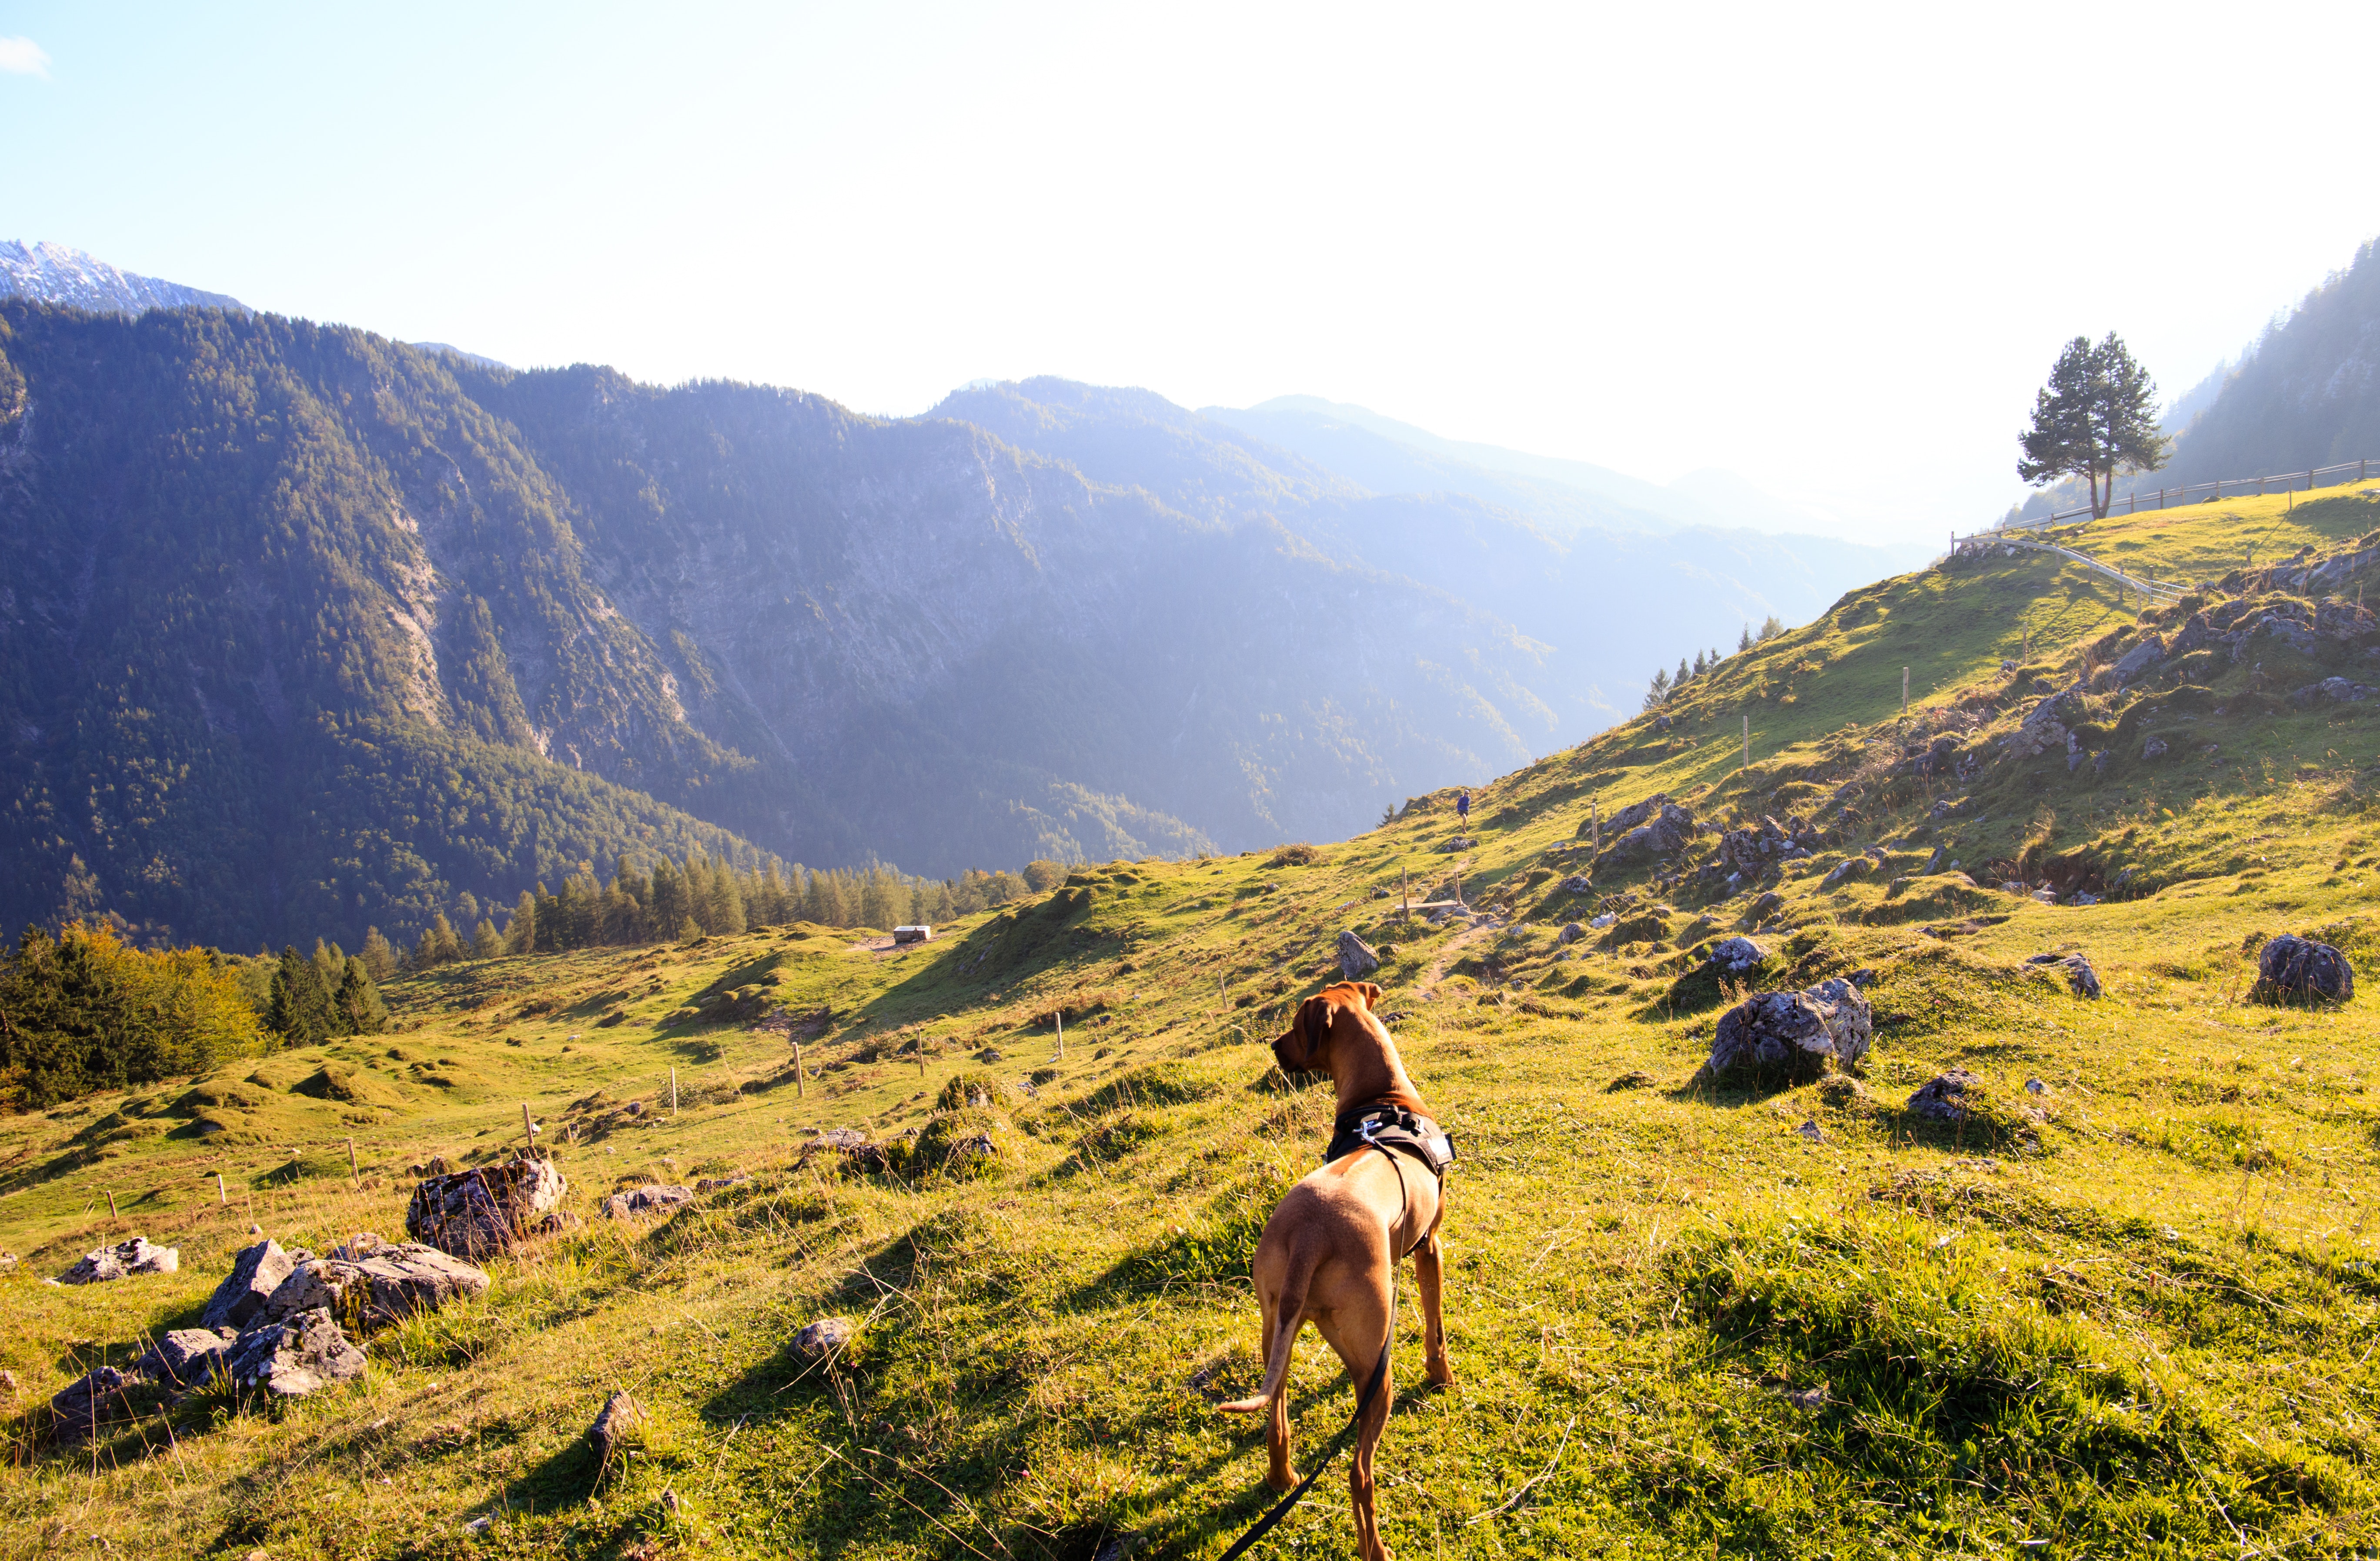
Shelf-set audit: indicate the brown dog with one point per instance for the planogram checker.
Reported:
(1330, 1250)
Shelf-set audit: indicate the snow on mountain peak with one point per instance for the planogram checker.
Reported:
(52, 274)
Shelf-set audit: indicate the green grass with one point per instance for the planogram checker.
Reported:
(2140, 1323)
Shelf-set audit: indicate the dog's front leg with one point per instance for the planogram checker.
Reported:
(1429, 1269)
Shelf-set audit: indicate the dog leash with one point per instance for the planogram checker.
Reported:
(1362, 1402)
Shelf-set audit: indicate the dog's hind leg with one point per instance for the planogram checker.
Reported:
(1360, 1334)
(1429, 1269)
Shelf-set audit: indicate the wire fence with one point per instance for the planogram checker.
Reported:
(2345, 473)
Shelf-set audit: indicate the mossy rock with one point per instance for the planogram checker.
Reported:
(962, 1145)
(973, 1090)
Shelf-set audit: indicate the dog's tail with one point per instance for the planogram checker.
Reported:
(1289, 1315)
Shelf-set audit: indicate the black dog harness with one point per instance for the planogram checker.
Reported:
(1400, 1135)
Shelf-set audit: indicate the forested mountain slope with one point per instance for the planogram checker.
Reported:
(308, 629)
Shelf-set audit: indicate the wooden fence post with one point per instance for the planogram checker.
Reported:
(354, 1175)
(111, 1205)
(1061, 1033)
(801, 1091)
(672, 1093)
(221, 1196)
(1747, 738)
(1595, 826)
(1904, 691)
(529, 1132)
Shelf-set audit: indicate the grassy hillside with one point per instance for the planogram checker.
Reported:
(2131, 1313)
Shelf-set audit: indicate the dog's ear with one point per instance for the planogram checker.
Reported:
(1314, 1017)
(1371, 993)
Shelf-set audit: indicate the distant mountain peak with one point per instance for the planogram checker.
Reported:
(53, 273)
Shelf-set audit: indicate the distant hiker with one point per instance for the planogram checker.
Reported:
(1462, 806)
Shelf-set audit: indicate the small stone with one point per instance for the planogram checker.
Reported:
(620, 1418)
(1944, 1098)
(1571, 933)
(477, 1525)
(2034, 1086)
(645, 1200)
(9, 1387)
(1809, 1401)
(1605, 920)
(827, 1340)
(2080, 977)
(1811, 1131)
(256, 1230)
(1863, 978)
(714, 1183)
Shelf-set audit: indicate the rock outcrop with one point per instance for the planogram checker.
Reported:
(367, 1282)
(1649, 829)
(1734, 956)
(256, 1273)
(2299, 970)
(295, 1356)
(1356, 957)
(122, 1261)
(186, 1357)
(476, 1213)
(1830, 1024)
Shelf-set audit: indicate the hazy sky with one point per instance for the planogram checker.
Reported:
(1834, 250)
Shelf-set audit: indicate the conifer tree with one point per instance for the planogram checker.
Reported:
(520, 936)
(726, 899)
(379, 956)
(1771, 626)
(1743, 641)
(358, 1001)
(300, 1010)
(485, 944)
(669, 905)
(450, 948)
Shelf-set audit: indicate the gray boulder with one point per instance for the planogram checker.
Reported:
(2299, 970)
(645, 1200)
(2144, 657)
(1356, 957)
(1831, 1023)
(90, 1405)
(186, 1357)
(368, 1282)
(1578, 883)
(294, 1357)
(1571, 933)
(1734, 956)
(2080, 976)
(2334, 690)
(122, 1261)
(2155, 748)
(1848, 867)
(256, 1273)
(475, 1213)
(1457, 843)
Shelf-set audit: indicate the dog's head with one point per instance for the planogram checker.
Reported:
(1304, 1046)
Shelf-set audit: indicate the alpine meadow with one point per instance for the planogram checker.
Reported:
(609, 961)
